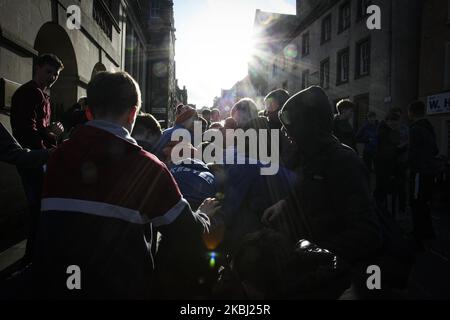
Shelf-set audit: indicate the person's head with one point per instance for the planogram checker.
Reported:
(372, 117)
(215, 115)
(147, 129)
(230, 123)
(206, 114)
(273, 103)
(393, 120)
(178, 109)
(47, 69)
(416, 110)
(216, 125)
(114, 97)
(345, 109)
(186, 117)
(307, 117)
(244, 111)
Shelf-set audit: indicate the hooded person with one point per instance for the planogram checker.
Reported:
(331, 204)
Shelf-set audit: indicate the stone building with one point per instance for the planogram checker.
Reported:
(332, 46)
(434, 84)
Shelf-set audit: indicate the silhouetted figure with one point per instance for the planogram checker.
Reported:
(343, 123)
(331, 204)
(368, 135)
(243, 111)
(388, 161)
(30, 123)
(422, 152)
(75, 116)
(273, 102)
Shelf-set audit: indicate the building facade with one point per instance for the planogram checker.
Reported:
(332, 46)
(434, 84)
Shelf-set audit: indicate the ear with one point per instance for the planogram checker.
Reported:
(132, 115)
(89, 114)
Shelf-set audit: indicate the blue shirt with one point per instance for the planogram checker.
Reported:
(195, 181)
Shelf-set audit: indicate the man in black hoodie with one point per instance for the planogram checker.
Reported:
(422, 152)
(332, 204)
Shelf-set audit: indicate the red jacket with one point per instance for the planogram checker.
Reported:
(30, 117)
(104, 199)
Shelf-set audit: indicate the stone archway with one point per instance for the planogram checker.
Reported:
(52, 38)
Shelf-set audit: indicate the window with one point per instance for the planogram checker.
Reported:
(363, 58)
(102, 18)
(155, 9)
(344, 16)
(305, 46)
(326, 29)
(343, 63)
(325, 73)
(362, 9)
(305, 79)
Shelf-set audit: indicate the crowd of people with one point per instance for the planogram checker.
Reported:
(105, 194)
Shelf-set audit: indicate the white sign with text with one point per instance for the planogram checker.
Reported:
(439, 103)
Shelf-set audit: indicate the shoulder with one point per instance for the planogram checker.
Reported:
(28, 90)
(346, 161)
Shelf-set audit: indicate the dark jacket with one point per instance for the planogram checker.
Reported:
(388, 150)
(103, 216)
(12, 153)
(30, 117)
(368, 135)
(422, 147)
(344, 132)
(332, 202)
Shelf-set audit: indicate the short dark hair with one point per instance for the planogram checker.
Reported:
(343, 105)
(49, 59)
(206, 112)
(146, 122)
(246, 105)
(280, 95)
(112, 93)
(417, 108)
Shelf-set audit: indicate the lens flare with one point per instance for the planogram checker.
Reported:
(212, 259)
(290, 51)
(265, 18)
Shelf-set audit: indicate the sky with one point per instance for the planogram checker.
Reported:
(214, 43)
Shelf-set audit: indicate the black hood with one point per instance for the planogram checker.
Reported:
(308, 118)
